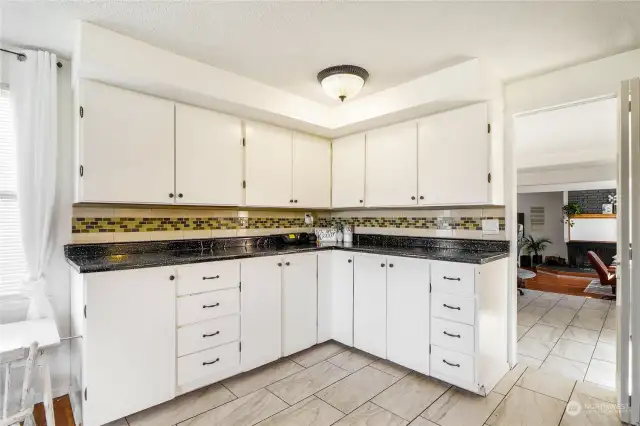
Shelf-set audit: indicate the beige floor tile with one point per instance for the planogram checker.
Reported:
(573, 350)
(391, 368)
(245, 383)
(524, 408)
(558, 316)
(529, 361)
(309, 412)
(509, 380)
(305, 383)
(421, 421)
(595, 391)
(546, 333)
(457, 407)
(411, 395)
(581, 335)
(351, 392)
(245, 411)
(522, 329)
(565, 367)
(611, 322)
(589, 318)
(543, 302)
(608, 336)
(527, 319)
(533, 312)
(602, 373)
(317, 353)
(584, 410)
(597, 304)
(573, 302)
(352, 360)
(120, 422)
(549, 384)
(182, 407)
(372, 415)
(534, 348)
(605, 352)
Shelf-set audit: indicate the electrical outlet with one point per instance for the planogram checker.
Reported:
(490, 226)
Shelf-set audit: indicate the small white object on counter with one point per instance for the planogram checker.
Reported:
(347, 232)
(326, 234)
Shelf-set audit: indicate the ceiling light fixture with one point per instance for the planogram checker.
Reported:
(343, 81)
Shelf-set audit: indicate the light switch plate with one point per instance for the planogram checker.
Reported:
(490, 226)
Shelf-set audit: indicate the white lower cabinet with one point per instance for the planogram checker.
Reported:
(261, 311)
(408, 313)
(370, 304)
(299, 303)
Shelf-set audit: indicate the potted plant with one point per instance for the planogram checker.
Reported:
(569, 210)
(536, 246)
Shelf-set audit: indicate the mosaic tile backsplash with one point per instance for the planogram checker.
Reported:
(461, 223)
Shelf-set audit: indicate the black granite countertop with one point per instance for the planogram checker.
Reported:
(132, 256)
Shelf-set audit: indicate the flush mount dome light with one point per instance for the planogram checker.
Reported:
(342, 81)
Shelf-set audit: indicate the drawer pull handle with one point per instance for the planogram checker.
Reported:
(451, 278)
(210, 306)
(211, 362)
(451, 335)
(450, 364)
(457, 308)
(211, 278)
(218, 332)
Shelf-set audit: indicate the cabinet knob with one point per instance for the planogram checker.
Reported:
(279, 264)
(413, 197)
(349, 260)
(172, 277)
(171, 195)
(291, 201)
(361, 201)
(287, 264)
(382, 264)
(391, 265)
(295, 201)
(180, 195)
(422, 197)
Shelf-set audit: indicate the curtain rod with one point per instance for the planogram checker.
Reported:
(22, 57)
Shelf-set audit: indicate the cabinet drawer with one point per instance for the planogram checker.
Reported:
(453, 307)
(453, 335)
(217, 363)
(201, 277)
(213, 304)
(452, 366)
(208, 334)
(458, 278)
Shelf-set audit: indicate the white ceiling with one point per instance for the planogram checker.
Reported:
(285, 44)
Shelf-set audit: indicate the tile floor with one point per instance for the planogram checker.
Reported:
(569, 335)
(331, 384)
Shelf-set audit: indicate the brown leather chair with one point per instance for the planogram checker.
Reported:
(606, 277)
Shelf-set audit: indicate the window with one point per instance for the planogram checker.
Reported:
(13, 265)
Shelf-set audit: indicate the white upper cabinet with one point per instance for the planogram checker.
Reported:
(125, 146)
(208, 157)
(391, 166)
(348, 171)
(311, 171)
(453, 157)
(268, 163)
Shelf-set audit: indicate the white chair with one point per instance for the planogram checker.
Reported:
(9, 362)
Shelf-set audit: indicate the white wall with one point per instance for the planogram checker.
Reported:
(553, 229)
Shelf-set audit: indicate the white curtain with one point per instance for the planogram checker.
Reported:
(33, 86)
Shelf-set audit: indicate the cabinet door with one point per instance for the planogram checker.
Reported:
(129, 342)
(453, 157)
(370, 304)
(311, 171)
(299, 303)
(408, 312)
(342, 297)
(208, 157)
(348, 171)
(325, 308)
(125, 146)
(261, 311)
(268, 162)
(391, 166)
